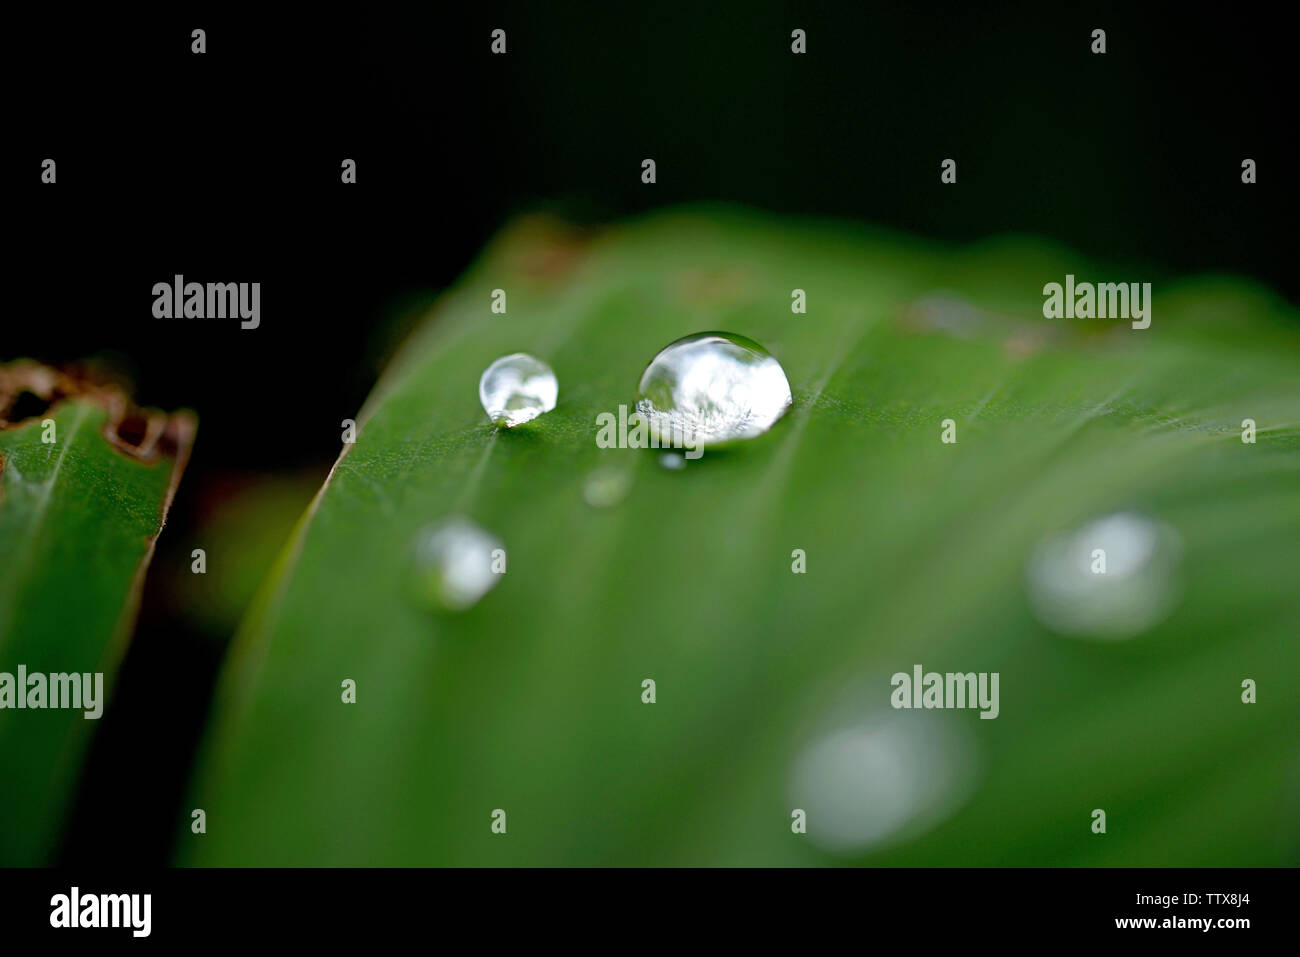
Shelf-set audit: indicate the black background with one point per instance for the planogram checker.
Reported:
(335, 908)
(225, 167)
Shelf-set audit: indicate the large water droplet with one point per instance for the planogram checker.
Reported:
(883, 778)
(454, 564)
(1111, 579)
(711, 388)
(517, 388)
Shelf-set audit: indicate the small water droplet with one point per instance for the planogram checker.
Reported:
(673, 461)
(711, 388)
(1111, 579)
(517, 388)
(606, 487)
(454, 564)
(886, 777)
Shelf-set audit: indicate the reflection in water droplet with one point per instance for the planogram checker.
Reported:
(674, 461)
(1111, 579)
(711, 388)
(606, 487)
(453, 566)
(887, 777)
(516, 389)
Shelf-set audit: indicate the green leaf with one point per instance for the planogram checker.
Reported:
(78, 519)
(531, 701)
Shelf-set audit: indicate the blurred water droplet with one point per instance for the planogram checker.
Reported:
(673, 461)
(453, 566)
(606, 487)
(517, 388)
(887, 777)
(711, 388)
(946, 312)
(1138, 588)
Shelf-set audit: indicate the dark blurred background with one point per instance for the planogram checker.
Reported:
(225, 167)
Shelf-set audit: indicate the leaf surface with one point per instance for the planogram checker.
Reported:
(78, 519)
